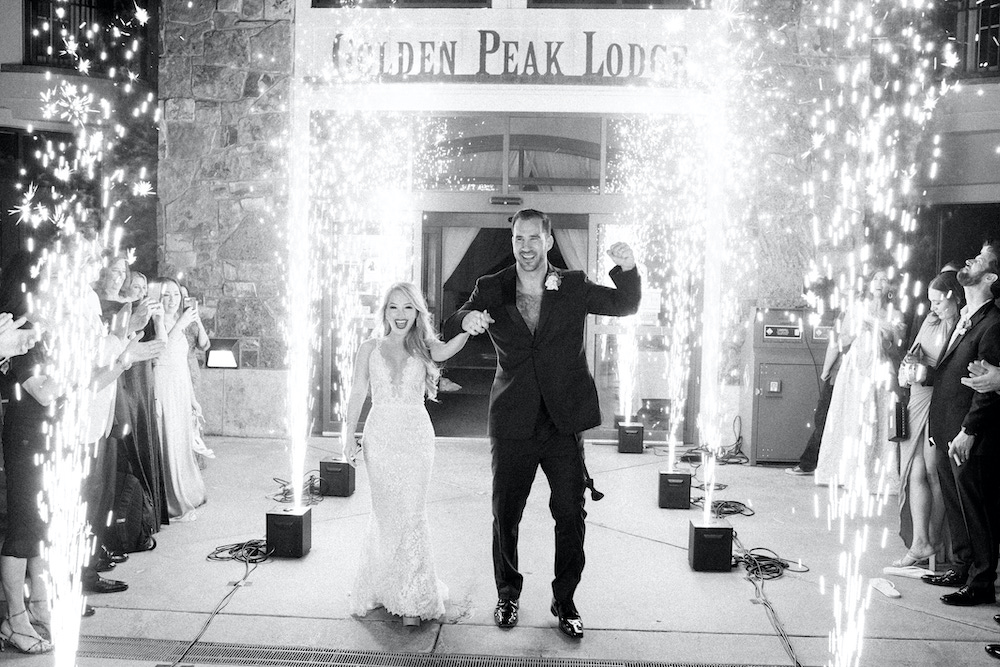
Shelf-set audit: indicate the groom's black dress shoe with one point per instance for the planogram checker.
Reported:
(505, 615)
(993, 650)
(967, 596)
(996, 618)
(950, 578)
(570, 623)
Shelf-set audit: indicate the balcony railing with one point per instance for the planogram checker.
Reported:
(978, 33)
(48, 25)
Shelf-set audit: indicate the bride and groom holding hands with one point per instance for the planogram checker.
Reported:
(542, 399)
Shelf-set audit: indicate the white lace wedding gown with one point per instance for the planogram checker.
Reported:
(397, 567)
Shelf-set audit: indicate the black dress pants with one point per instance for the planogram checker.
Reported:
(515, 462)
(961, 545)
(976, 482)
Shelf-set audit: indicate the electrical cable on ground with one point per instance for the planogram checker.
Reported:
(761, 565)
(251, 552)
(721, 508)
(312, 490)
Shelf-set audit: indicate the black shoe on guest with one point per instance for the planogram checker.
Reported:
(113, 556)
(505, 615)
(951, 578)
(570, 623)
(993, 650)
(996, 619)
(104, 565)
(102, 585)
(88, 611)
(967, 596)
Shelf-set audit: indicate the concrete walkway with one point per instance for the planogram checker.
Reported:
(640, 599)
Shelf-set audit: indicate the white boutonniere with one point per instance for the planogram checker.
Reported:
(552, 282)
(963, 326)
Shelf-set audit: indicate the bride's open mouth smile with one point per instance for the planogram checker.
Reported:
(401, 324)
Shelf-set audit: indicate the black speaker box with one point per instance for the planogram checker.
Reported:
(710, 545)
(675, 490)
(336, 477)
(630, 438)
(289, 532)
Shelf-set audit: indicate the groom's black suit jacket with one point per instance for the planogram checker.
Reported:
(551, 364)
(953, 405)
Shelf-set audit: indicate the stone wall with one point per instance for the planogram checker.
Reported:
(225, 70)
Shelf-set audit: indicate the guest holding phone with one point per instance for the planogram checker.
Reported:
(185, 488)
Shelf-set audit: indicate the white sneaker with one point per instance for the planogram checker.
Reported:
(798, 471)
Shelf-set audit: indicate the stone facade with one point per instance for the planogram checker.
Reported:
(225, 71)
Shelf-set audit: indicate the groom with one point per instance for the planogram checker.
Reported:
(543, 397)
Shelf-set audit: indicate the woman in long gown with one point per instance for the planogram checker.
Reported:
(135, 427)
(921, 506)
(397, 566)
(855, 450)
(184, 486)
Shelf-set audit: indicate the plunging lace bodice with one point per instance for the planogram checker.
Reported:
(397, 566)
(396, 385)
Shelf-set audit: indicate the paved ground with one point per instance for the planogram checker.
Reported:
(640, 599)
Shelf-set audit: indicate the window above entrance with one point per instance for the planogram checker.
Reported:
(621, 4)
(404, 4)
(509, 153)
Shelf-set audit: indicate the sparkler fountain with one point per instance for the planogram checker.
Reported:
(67, 267)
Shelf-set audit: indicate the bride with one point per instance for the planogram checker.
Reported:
(397, 569)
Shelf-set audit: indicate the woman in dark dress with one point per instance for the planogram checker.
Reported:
(122, 292)
(28, 409)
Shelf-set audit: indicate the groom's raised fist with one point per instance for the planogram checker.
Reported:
(621, 254)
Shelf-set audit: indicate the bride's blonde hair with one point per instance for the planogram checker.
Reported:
(420, 336)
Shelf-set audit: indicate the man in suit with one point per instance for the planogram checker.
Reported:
(543, 397)
(965, 429)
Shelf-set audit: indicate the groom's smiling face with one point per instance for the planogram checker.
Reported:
(531, 244)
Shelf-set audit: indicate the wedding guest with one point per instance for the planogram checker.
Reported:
(136, 428)
(855, 449)
(23, 440)
(198, 342)
(398, 367)
(965, 430)
(184, 486)
(984, 377)
(34, 405)
(921, 505)
(828, 375)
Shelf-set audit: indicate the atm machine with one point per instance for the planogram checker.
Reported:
(787, 360)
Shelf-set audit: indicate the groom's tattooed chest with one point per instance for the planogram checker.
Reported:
(529, 305)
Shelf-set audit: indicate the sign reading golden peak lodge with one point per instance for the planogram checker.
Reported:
(557, 47)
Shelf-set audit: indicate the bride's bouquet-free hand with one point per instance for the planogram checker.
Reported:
(350, 452)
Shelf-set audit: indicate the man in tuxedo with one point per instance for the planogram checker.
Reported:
(543, 397)
(965, 429)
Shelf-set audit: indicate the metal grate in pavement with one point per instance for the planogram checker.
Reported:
(212, 653)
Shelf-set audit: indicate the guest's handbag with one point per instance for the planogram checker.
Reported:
(913, 370)
(899, 421)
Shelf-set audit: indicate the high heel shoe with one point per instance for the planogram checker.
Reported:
(911, 559)
(37, 646)
(44, 628)
(411, 621)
